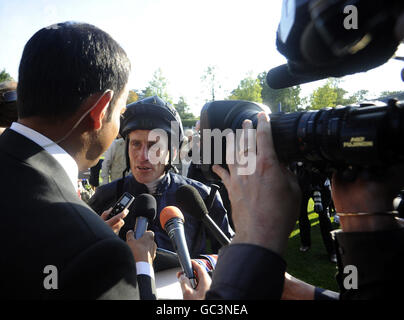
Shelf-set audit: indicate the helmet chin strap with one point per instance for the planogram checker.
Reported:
(78, 122)
(170, 166)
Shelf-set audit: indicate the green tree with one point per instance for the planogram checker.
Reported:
(358, 96)
(132, 97)
(249, 89)
(325, 96)
(5, 76)
(157, 86)
(331, 95)
(391, 94)
(288, 98)
(183, 109)
(210, 82)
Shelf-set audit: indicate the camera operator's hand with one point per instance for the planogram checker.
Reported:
(116, 222)
(144, 248)
(369, 195)
(295, 289)
(265, 204)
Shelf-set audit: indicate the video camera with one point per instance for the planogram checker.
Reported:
(332, 138)
(313, 37)
(333, 38)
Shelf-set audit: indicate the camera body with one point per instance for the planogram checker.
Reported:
(317, 43)
(365, 136)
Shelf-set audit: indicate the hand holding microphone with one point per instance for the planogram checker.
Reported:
(172, 221)
(143, 249)
(145, 210)
(139, 239)
(204, 283)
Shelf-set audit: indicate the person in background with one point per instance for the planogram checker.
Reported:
(311, 183)
(114, 163)
(94, 179)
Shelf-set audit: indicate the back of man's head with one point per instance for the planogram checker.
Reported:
(64, 64)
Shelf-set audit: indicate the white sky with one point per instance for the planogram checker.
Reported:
(182, 37)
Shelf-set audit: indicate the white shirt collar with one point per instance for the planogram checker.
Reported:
(60, 155)
(152, 186)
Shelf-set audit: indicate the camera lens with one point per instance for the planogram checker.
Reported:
(365, 135)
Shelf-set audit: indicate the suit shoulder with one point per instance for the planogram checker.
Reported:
(81, 277)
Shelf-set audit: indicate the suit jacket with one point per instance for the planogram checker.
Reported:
(45, 226)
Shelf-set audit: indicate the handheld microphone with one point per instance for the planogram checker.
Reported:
(189, 200)
(172, 221)
(145, 209)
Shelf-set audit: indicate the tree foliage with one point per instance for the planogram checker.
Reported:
(249, 89)
(157, 86)
(132, 97)
(183, 109)
(5, 76)
(210, 82)
(358, 96)
(392, 94)
(288, 99)
(322, 97)
(331, 95)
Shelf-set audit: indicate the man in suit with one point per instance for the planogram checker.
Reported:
(72, 89)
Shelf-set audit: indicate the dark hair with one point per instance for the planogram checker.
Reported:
(64, 64)
(8, 108)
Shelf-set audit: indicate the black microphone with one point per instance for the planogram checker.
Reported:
(281, 77)
(172, 221)
(145, 209)
(316, 61)
(189, 200)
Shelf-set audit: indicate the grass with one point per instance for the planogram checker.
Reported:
(313, 265)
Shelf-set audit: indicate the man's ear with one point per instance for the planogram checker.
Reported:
(100, 108)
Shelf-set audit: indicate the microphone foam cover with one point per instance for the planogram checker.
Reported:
(281, 77)
(145, 206)
(168, 213)
(189, 200)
